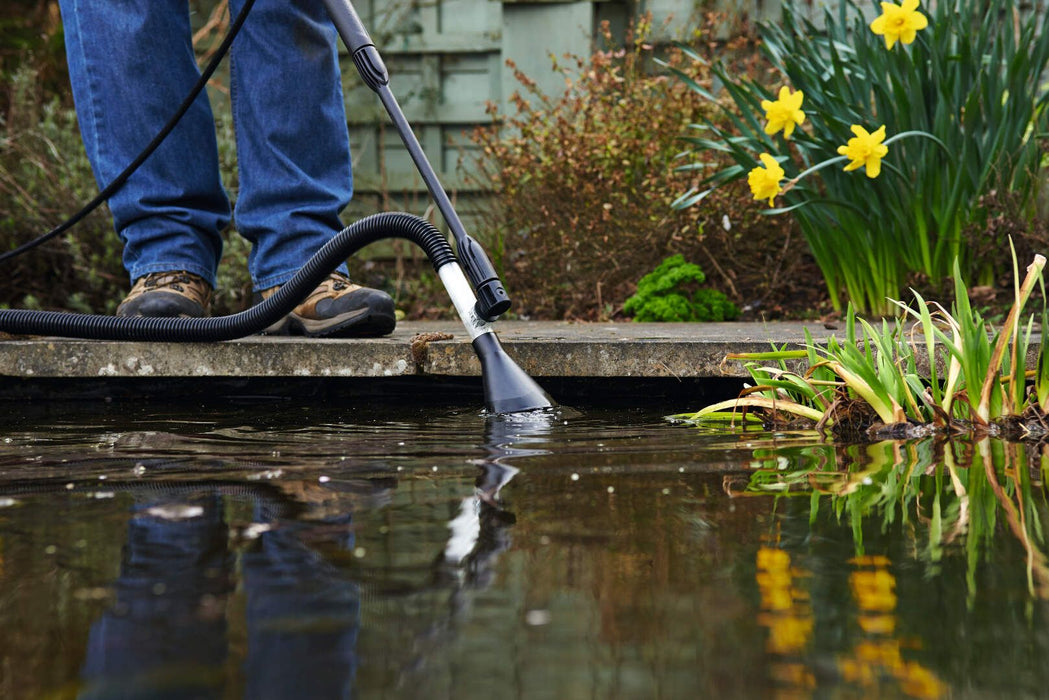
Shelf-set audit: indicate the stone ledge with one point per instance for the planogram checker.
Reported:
(543, 349)
(425, 348)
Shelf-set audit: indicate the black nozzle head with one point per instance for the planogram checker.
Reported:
(492, 300)
(507, 387)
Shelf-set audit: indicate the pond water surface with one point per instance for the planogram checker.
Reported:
(398, 552)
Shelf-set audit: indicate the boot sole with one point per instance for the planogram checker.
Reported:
(359, 323)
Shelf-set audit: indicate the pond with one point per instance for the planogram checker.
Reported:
(268, 549)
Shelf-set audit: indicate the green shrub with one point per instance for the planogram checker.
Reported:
(44, 178)
(671, 292)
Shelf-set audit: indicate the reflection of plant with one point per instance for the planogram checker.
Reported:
(948, 494)
(880, 651)
(664, 295)
(877, 372)
(969, 76)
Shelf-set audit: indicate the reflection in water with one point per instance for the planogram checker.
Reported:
(952, 493)
(947, 495)
(445, 555)
(787, 614)
(876, 663)
(502, 435)
(166, 635)
(303, 615)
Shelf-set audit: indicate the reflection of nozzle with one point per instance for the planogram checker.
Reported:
(507, 388)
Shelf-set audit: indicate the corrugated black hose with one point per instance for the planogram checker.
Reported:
(253, 320)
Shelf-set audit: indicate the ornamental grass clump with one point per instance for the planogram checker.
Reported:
(945, 372)
(941, 108)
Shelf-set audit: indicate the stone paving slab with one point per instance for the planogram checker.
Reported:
(543, 349)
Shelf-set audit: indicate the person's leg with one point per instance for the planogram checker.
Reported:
(295, 169)
(131, 64)
(292, 141)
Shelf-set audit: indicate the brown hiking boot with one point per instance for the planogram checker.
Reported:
(167, 295)
(337, 308)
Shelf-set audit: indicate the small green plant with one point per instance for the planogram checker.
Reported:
(672, 292)
(968, 77)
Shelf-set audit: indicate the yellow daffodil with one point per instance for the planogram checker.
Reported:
(899, 22)
(764, 181)
(785, 113)
(865, 150)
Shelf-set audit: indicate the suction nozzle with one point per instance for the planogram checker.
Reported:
(507, 387)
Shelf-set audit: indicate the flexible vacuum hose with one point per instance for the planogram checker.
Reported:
(331, 255)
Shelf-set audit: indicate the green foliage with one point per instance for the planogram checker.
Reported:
(582, 186)
(31, 36)
(44, 178)
(671, 292)
(984, 388)
(963, 499)
(972, 80)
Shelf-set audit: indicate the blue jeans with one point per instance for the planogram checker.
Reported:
(131, 63)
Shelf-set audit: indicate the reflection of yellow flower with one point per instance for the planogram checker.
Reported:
(788, 634)
(879, 654)
(919, 682)
(865, 149)
(771, 559)
(784, 113)
(874, 590)
(899, 22)
(877, 624)
(764, 181)
(789, 621)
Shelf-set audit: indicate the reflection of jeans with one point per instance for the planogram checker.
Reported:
(303, 618)
(131, 63)
(160, 639)
(165, 635)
